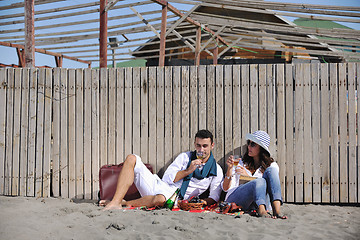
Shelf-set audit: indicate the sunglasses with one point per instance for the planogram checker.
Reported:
(251, 144)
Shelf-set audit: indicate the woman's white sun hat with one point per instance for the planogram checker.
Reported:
(261, 138)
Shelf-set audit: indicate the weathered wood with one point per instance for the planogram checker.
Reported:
(72, 114)
(160, 118)
(29, 33)
(168, 140)
(3, 117)
(236, 109)
(315, 131)
(307, 142)
(144, 131)
(281, 120)
(128, 112)
(352, 132)
(202, 97)
(112, 116)
(87, 134)
(15, 177)
(185, 108)
(136, 124)
(24, 130)
(325, 133)
(219, 115)
(254, 98)
(64, 144)
(103, 33)
(152, 118)
(289, 133)
(334, 133)
(95, 128)
(79, 125)
(228, 113)
(176, 144)
(194, 98)
(263, 103)
(343, 133)
(245, 104)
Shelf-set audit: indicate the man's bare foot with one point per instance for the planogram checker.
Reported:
(110, 205)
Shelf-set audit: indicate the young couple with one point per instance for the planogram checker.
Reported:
(193, 176)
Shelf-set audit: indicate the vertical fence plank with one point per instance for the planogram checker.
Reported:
(16, 133)
(281, 157)
(202, 96)
(299, 132)
(40, 133)
(194, 101)
(236, 128)
(176, 111)
(47, 132)
(254, 98)
(352, 132)
(324, 150)
(152, 118)
(228, 112)
(289, 133)
(245, 97)
(103, 150)
(263, 103)
(120, 89)
(185, 109)
(210, 102)
(9, 132)
(3, 117)
(87, 133)
(136, 111)
(95, 127)
(24, 130)
(168, 116)
(307, 147)
(271, 108)
(112, 116)
(343, 134)
(334, 116)
(79, 133)
(72, 132)
(55, 152)
(315, 130)
(358, 129)
(219, 116)
(160, 119)
(64, 144)
(144, 132)
(128, 111)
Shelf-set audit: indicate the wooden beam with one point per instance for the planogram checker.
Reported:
(44, 52)
(29, 34)
(21, 57)
(188, 19)
(103, 34)
(230, 46)
(58, 61)
(163, 37)
(147, 23)
(181, 19)
(216, 53)
(212, 38)
(198, 46)
(110, 5)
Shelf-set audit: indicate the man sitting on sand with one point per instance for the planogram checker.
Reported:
(192, 172)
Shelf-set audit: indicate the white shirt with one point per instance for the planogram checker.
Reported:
(196, 186)
(235, 179)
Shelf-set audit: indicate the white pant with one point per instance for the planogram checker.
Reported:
(148, 183)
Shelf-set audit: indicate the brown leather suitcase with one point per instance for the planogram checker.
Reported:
(108, 177)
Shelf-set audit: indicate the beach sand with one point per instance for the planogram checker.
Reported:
(52, 218)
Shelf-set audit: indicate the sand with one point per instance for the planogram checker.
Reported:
(52, 218)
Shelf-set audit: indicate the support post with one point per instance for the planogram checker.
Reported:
(58, 61)
(216, 53)
(21, 57)
(163, 36)
(103, 34)
(198, 46)
(29, 34)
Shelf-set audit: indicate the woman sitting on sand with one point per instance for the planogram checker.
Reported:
(255, 163)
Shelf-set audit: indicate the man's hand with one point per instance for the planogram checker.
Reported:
(194, 165)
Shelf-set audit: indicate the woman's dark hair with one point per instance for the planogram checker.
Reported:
(204, 134)
(265, 160)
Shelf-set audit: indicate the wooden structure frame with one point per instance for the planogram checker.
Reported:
(81, 41)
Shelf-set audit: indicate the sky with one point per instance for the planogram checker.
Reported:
(8, 55)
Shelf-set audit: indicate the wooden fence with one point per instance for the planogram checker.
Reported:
(58, 126)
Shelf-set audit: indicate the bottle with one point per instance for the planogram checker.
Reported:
(171, 201)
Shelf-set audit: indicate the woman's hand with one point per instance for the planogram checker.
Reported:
(230, 162)
(241, 171)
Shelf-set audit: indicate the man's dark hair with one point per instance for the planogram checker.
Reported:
(204, 134)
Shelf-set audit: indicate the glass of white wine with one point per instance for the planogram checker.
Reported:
(236, 160)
